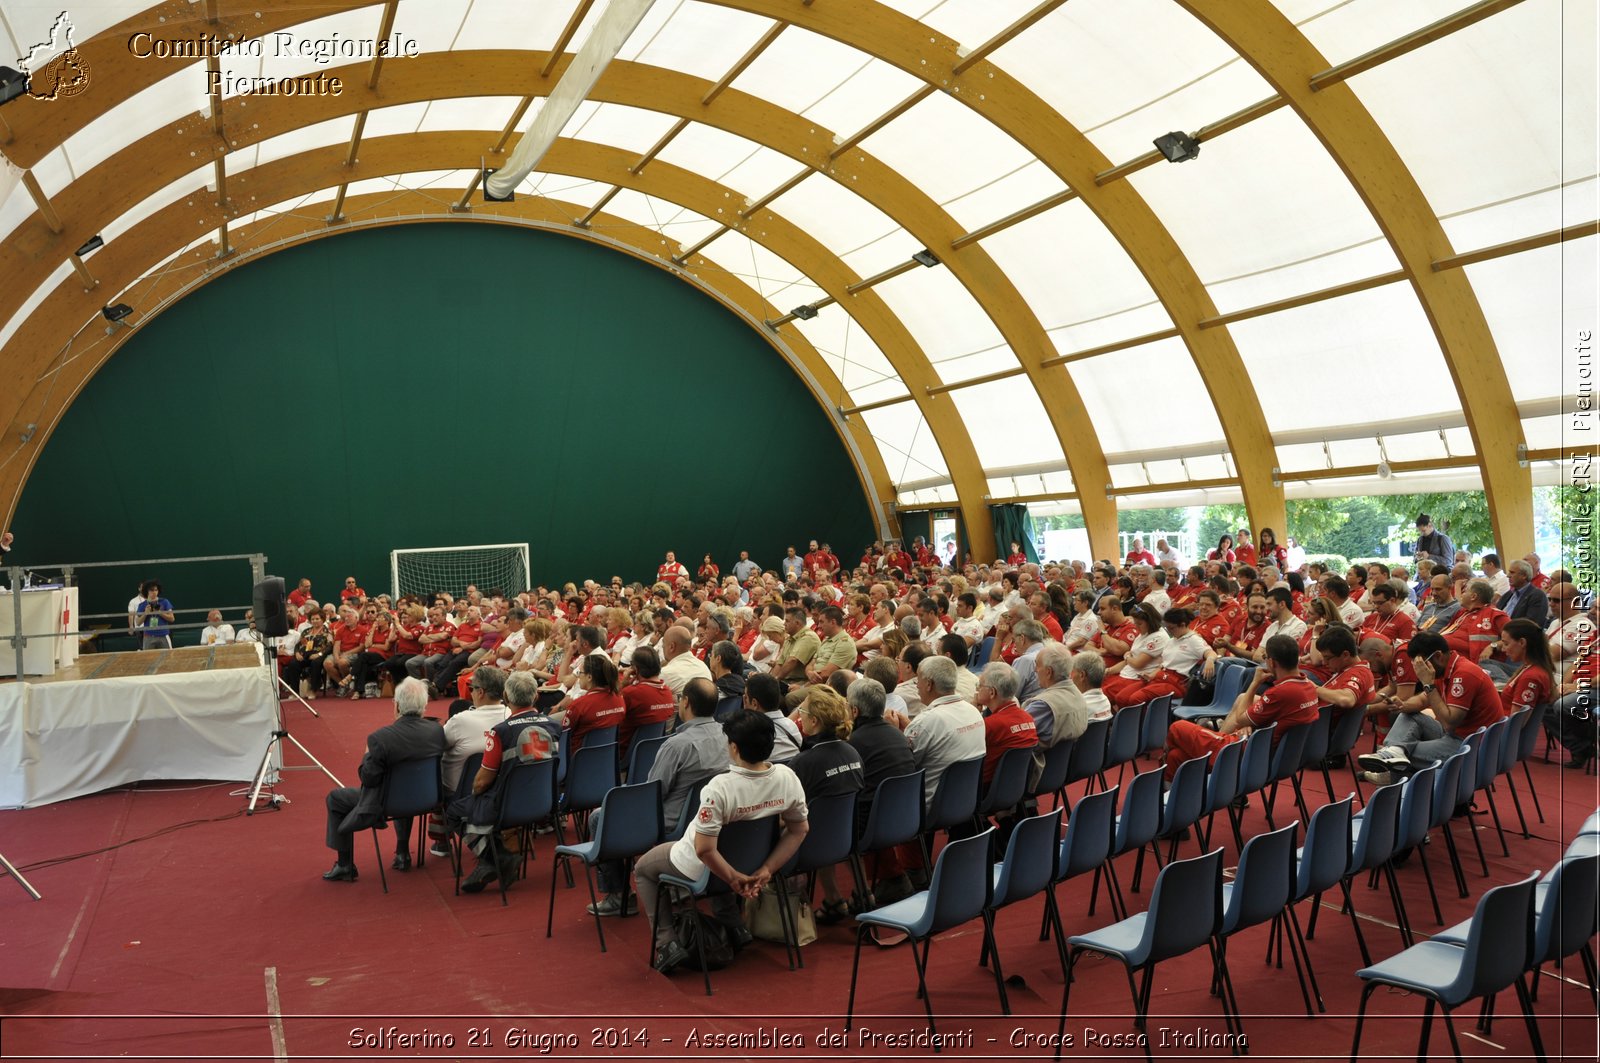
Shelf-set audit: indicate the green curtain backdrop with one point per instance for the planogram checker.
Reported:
(1013, 523)
(437, 385)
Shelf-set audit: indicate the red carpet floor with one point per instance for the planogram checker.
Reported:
(219, 940)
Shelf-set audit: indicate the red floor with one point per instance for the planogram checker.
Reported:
(220, 940)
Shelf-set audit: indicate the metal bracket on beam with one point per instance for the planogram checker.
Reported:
(1522, 455)
(1277, 476)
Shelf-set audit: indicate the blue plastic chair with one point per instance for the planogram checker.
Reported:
(980, 656)
(1530, 733)
(1183, 804)
(1222, 785)
(592, 775)
(1153, 725)
(646, 731)
(1053, 775)
(1231, 677)
(1123, 741)
(745, 844)
(1137, 827)
(630, 824)
(528, 796)
(1411, 831)
(1496, 956)
(1254, 766)
(1446, 785)
(1007, 786)
(1087, 845)
(894, 819)
(830, 840)
(1324, 862)
(411, 788)
(1261, 892)
(1088, 754)
(1520, 722)
(954, 802)
(960, 890)
(1490, 755)
(691, 805)
(1344, 732)
(1288, 757)
(1372, 836)
(1028, 869)
(1185, 913)
(642, 757)
(1473, 744)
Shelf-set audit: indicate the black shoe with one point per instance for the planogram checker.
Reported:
(740, 936)
(1580, 760)
(402, 862)
(480, 877)
(670, 957)
(341, 873)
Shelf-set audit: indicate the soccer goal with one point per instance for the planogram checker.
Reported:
(453, 568)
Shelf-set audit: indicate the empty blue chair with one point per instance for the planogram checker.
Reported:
(1088, 753)
(1153, 727)
(1087, 844)
(1372, 835)
(1007, 786)
(1446, 785)
(1254, 767)
(593, 772)
(1028, 869)
(1520, 721)
(411, 789)
(1261, 892)
(894, 819)
(830, 839)
(1222, 785)
(1473, 744)
(1344, 732)
(1288, 757)
(1123, 741)
(630, 824)
(642, 757)
(981, 655)
(1530, 733)
(1185, 913)
(1182, 805)
(1322, 864)
(1137, 827)
(960, 890)
(646, 731)
(1052, 777)
(1231, 677)
(954, 801)
(527, 796)
(1411, 831)
(745, 844)
(1495, 957)
(1490, 755)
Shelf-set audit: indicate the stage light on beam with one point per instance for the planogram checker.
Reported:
(94, 243)
(804, 313)
(1178, 147)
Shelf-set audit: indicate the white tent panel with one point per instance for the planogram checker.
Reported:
(471, 112)
(1073, 273)
(171, 98)
(990, 202)
(1301, 457)
(1007, 423)
(1495, 87)
(1208, 467)
(1535, 306)
(435, 25)
(870, 91)
(705, 150)
(697, 39)
(317, 45)
(970, 364)
(30, 23)
(393, 121)
(946, 148)
(159, 200)
(870, 387)
(1129, 475)
(1344, 30)
(1573, 203)
(1126, 71)
(1545, 433)
(1146, 397)
(1370, 258)
(969, 24)
(855, 356)
(575, 193)
(843, 222)
(510, 23)
(909, 449)
(827, 63)
(945, 319)
(631, 128)
(54, 172)
(761, 172)
(17, 208)
(1265, 195)
(1112, 328)
(1374, 342)
(316, 135)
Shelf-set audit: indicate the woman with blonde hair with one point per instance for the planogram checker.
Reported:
(827, 766)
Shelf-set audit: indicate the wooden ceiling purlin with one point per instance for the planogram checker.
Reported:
(53, 390)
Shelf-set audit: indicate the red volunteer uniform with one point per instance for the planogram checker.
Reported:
(1287, 703)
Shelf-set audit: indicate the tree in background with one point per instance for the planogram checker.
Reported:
(1463, 515)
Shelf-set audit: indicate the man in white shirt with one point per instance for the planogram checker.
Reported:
(216, 633)
(967, 625)
(1280, 600)
(1165, 553)
(932, 626)
(1158, 598)
(948, 730)
(678, 664)
(1496, 575)
(1088, 672)
(1338, 591)
(1570, 628)
(465, 733)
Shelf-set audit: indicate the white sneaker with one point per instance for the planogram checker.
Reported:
(1389, 758)
(1378, 778)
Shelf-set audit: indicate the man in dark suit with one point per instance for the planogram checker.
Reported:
(410, 737)
(1524, 599)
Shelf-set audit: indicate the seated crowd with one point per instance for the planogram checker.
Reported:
(780, 688)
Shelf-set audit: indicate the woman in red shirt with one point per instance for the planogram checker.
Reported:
(1224, 550)
(709, 572)
(599, 701)
(376, 648)
(1016, 556)
(1526, 646)
(1268, 552)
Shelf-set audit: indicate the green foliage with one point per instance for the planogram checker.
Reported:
(1217, 521)
(1463, 515)
(1332, 562)
(1573, 511)
(1171, 519)
(1058, 522)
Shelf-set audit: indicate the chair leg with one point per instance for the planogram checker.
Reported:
(1119, 903)
(1450, 1028)
(1361, 1016)
(1455, 858)
(921, 960)
(1530, 1019)
(1355, 923)
(1400, 913)
(1305, 954)
(1053, 913)
(990, 946)
(588, 878)
(1300, 799)
(791, 934)
(1272, 799)
(1511, 785)
(1355, 778)
(1494, 811)
(1072, 958)
(855, 968)
(1427, 1029)
(1476, 841)
(550, 913)
(377, 855)
(1427, 875)
(1586, 954)
(1316, 908)
(1532, 792)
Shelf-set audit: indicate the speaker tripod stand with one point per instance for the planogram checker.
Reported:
(281, 733)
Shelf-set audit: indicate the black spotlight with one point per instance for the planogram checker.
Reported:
(94, 243)
(1178, 147)
(116, 312)
(804, 313)
(13, 83)
(490, 197)
(926, 257)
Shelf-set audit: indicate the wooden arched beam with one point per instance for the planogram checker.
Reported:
(152, 242)
(734, 112)
(1282, 55)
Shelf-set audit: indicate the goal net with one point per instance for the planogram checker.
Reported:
(454, 568)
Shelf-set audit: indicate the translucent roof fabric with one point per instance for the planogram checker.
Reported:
(1085, 308)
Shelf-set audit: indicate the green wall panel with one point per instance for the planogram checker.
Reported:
(437, 385)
